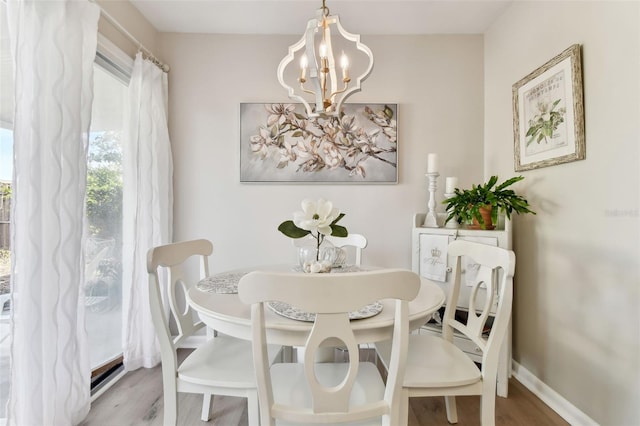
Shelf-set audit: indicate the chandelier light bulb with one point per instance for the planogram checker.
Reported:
(303, 69)
(344, 61)
(323, 50)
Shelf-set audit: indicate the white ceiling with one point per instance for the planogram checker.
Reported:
(290, 16)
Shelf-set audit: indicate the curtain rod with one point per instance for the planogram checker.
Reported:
(164, 67)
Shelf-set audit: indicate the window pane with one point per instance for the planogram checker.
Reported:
(103, 251)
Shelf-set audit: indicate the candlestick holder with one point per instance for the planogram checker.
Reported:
(453, 223)
(431, 219)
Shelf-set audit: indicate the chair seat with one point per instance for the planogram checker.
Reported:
(290, 386)
(223, 361)
(433, 362)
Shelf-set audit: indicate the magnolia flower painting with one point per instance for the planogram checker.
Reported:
(279, 143)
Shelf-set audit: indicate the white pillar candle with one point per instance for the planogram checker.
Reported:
(432, 163)
(450, 184)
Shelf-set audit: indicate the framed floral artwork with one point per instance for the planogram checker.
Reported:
(280, 143)
(548, 113)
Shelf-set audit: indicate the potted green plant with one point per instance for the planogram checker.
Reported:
(479, 206)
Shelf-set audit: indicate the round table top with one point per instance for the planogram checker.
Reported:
(225, 313)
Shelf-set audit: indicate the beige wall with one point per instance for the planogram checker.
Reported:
(576, 314)
(437, 82)
(135, 24)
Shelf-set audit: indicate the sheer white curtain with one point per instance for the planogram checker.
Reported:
(147, 204)
(54, 45)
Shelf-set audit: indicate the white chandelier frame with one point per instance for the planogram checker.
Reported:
(336, 96)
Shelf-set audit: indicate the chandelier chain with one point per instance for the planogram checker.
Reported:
(325, 9)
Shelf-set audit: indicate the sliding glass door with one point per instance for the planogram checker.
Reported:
(103, 251)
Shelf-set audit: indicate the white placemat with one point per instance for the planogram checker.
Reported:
(288, 311)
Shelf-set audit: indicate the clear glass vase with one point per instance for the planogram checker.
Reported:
(308, 255)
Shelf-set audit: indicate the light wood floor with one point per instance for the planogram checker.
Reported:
(137, 400)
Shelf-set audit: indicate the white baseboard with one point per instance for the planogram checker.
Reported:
(553, 399)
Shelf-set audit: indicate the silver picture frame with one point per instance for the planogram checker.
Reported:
(279, 143)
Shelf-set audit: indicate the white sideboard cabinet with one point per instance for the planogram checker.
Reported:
(423, 242)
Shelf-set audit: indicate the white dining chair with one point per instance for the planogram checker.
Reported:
(221, 366)
(435, 366)
(329, 392)
(357, 241)
(352, 245)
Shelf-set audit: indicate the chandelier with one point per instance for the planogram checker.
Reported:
(317, 77)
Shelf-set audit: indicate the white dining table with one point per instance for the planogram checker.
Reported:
(225, 313)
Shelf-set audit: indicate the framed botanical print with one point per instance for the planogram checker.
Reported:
(548, 113)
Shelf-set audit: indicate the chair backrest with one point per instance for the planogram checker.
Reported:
(331, 297)
(495, 269)
(357, 241)
(167, 282)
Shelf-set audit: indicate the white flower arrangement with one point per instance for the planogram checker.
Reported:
(318, 219)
